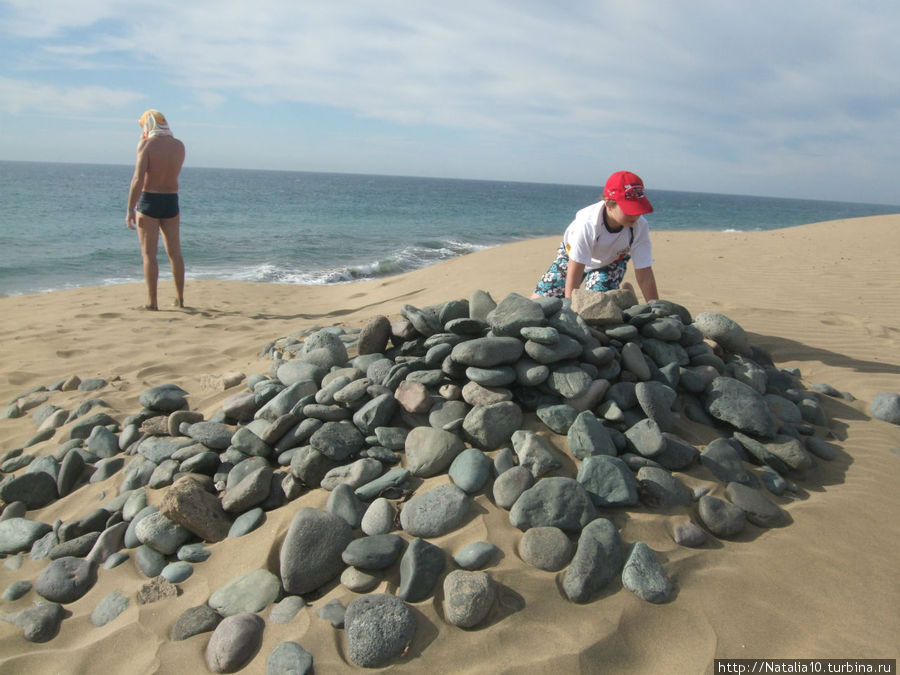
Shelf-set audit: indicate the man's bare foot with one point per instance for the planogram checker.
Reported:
(178, 303)
(151, 308)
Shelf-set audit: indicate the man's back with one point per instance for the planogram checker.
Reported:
(164, 157)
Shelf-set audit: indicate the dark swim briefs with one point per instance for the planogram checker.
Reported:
(158, 204)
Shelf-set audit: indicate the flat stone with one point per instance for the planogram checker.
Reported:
(250, 592)
(885, 406)
(490, 427)
(435, 512)
(35, 490)
(289, 658)
(66, 580)
(161, 534)
(374, 552)
(725, 463)
(109, 608)
(285, 610)
(19, 534)
(337, 440)
(488, 352)
(724, 331)
(194, 621)
(476, 555)
(165, 398)
(247, 522)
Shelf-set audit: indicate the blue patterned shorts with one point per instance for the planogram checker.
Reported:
(553, 283)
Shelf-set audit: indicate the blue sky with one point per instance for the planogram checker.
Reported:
(785, 99)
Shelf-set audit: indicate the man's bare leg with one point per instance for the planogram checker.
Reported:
(148, 234)
(170, 228)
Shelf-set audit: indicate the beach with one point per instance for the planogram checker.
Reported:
(823, 586)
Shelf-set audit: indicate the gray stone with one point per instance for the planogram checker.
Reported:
(534, 453)
(250, 592)
(547, 548)
(395, 478)
(234, 643)
(608, 481)
(149, 561)
(379, 517)
(39, 623)
(285, 610)
(374, 336)
(20, 534)
(77, 547)
(343, 502)
(247, 522)
(661, 488)
(194, 553)
(568, 380)
(588, 436)
(646, 438)
(161, 534)
(758, 508)
(656, 400)
(490, 427)
(488, 352)
(724, 520)
(109, 608)
(597, 561)
(35, 490)
(514, 313)
(688, 534)
(435, 512)
(556, 501)
(510, 484)
(374, 552)
(66, 580)
(379, 628)
(177, 572)
(102, 442)
(430, 451)
(70, 472)
(214, 435)
(337, 440)
(476, 555)
(421, 565)
(83, 428)
(643, 575)
(194, 621)
(165, 398)
(16, 590)
(311, 553)
(741, 406)
(470, 470)
(562, 349)
(725, 463)
(468, 597)
(633, 360)
(724, 331)
(251, 491)
(559, 418)
(289, 658)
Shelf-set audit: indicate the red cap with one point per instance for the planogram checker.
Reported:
(628, 190)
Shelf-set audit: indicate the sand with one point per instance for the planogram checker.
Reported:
(822, 298)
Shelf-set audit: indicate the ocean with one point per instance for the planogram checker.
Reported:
(63, 225)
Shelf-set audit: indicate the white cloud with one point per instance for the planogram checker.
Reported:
(755, 86)
(21, 96)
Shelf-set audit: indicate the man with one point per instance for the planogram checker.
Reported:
(601, 240)
(153, 201)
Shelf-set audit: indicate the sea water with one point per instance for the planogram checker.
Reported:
(63, 225)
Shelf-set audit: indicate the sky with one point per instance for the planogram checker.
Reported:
(796, 98)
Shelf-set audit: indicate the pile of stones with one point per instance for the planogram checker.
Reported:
(449, 389)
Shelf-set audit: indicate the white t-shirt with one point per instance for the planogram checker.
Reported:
(588, 241)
